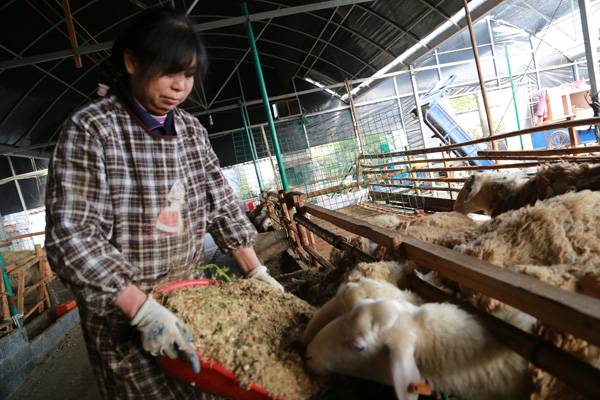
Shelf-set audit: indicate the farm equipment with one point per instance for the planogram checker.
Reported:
(443, 124)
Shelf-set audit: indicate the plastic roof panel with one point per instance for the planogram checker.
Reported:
(343, 40)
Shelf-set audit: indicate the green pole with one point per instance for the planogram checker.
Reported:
(512, 86)
(265, 98)
(11, 295)
(252, 149)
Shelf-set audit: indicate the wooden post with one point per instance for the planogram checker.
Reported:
(480, 74)
(289, 221)
(354, 117)
(358, 171)
(572, 133)
(4, 305)
(71, 30)
(447, 173)
(21, 290)
(300, 239)
(43, 296)
(262, 128)
(413, 174)
(48, 273)
(299, 200)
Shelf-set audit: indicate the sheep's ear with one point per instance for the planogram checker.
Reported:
(404, 371)
(473, 189)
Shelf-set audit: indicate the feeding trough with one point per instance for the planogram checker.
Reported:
(213, 377)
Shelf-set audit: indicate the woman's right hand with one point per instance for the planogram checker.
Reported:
(163, 333)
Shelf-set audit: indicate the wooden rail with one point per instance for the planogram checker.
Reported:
(556, 125)
(541, 353)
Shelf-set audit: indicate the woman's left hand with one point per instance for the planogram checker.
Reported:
(262, 274)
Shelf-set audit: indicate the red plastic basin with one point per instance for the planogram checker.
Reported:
(213, 377)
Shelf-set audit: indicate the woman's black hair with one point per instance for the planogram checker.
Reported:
(163, 42)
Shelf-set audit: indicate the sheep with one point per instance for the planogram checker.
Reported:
(365, 281)
(559, 230)
(261, 218)
(388, 271)
(346, 298)
(556, 240)
(497, 192)
(395, 342)
(547, 386)
(443, 228)
(345, 260)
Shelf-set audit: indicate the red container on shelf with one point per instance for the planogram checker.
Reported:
(213, 377)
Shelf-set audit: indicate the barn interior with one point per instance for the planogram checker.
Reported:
(351, 132)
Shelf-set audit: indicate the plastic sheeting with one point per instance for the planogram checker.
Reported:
(32, 189)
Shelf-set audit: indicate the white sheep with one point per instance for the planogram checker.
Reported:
(497, 192)
(365, 281)
(556, 240)
(442, 228)
(344, 259)
(396, 342)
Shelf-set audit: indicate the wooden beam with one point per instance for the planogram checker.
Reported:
(556, 125)
(579, 375)
(71, 30)
(337, 241)
(464, 168)
(568, 311)
(544, 152)
(384, 237)
(423, 202)
(13, 238)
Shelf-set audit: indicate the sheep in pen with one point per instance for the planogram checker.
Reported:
(553, 240)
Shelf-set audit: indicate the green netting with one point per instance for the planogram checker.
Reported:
(320, 155)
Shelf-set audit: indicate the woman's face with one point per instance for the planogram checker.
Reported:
(163, 92)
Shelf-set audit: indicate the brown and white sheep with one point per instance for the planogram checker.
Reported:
(559, 230)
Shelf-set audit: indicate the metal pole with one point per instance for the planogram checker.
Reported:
(590, 41)
(413, 82)
(361, 145)
(12, 169)
(480, 74)
(512, 87)
(252, 149)
(265, 98)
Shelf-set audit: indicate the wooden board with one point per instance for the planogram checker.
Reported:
(365, 212)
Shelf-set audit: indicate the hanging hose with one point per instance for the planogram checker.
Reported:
(14, 312)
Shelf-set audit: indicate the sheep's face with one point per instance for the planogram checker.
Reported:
(356, 343)
(473, 196)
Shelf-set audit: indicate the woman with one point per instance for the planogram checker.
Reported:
(133, 187)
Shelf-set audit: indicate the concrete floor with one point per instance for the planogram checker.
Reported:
(65, 373)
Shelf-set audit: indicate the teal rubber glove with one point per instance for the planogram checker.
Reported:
(163, 333)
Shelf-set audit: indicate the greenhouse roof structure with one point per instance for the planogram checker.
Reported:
(302, 45)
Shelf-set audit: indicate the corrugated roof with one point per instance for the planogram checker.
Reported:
(298, 42)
